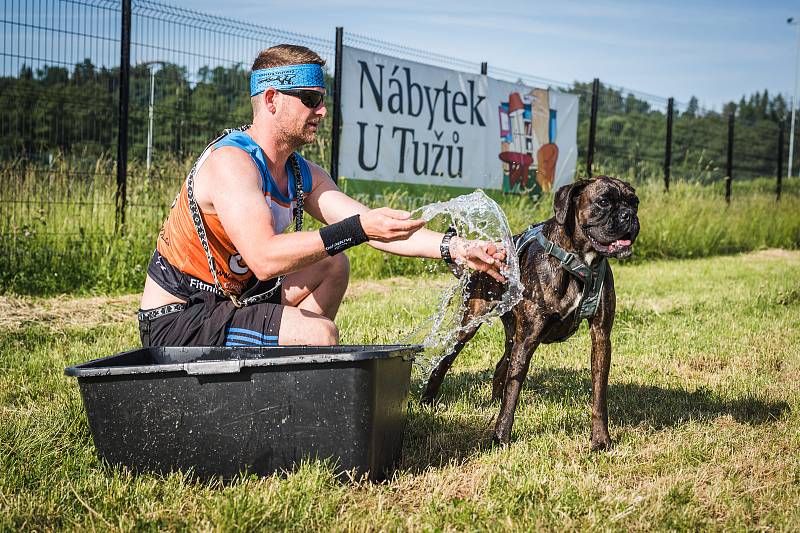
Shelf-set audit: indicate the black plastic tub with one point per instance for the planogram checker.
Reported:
(222, 411)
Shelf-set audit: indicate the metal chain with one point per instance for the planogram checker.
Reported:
(298, 226)
(201, 230)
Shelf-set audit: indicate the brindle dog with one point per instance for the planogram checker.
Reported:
(593, 218)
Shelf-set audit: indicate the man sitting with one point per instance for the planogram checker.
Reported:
(225, 273)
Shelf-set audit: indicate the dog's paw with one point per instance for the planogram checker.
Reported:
(601, 443)
(501, 439)
(427, 399)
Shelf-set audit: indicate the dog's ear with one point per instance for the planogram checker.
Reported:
(564, 201)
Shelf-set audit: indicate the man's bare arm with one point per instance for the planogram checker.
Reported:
(232, 186)
(328, 204)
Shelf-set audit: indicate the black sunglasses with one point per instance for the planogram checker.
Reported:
(311, 99)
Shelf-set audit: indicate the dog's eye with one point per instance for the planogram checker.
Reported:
(603, 202)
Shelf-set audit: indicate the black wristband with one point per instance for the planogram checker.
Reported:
(343, 235)
(444, 247)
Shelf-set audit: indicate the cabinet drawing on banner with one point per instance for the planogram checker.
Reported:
(528, 148)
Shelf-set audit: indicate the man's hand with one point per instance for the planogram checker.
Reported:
(387, 225)
(485, 256)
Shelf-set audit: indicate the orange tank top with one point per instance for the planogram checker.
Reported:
(178, 241)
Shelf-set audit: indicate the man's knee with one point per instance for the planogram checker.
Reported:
(323, 332)
(339, 268)
(304, 327)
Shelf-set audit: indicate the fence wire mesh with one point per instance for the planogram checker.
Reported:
(60, 85)
(194, 68)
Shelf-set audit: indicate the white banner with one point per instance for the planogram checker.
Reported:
(414, 123)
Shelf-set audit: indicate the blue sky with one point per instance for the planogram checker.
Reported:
(717, 51)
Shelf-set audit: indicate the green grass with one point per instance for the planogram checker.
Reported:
(703, 397)
(57, 231)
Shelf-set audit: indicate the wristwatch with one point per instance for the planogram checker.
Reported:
(444, 247)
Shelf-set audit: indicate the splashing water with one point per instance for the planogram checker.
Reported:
(475, 216)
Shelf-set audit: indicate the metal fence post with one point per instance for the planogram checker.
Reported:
(729, 166)
(336, 130)
(592, 127)
(484, 68)
(668, 147)
(124, 95)
(780, 161)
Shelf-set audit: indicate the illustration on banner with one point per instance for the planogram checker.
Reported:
(527, 142)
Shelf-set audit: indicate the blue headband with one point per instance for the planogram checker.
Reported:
(286, 77)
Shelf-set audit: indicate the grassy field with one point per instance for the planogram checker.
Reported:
(57, 227)
(704, 403)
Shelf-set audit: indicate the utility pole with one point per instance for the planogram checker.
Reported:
(150, 65)
(793, 22)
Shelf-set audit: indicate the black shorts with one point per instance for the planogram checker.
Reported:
(210, 320)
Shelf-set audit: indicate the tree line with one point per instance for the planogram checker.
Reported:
(74, 111)
(631, 135)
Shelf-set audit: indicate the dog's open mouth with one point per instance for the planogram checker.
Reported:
(619, 248)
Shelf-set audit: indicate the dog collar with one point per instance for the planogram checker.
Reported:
(592, 278)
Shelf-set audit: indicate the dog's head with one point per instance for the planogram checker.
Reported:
(600, 214)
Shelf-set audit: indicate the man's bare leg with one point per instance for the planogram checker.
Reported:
(299, 326)
(318, 288)
(312, 297)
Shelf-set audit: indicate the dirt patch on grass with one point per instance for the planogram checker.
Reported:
(775, 253)
(17, 312)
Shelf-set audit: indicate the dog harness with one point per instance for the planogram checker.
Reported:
(592, 278)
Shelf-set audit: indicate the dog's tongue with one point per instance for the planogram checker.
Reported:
(621, 243)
